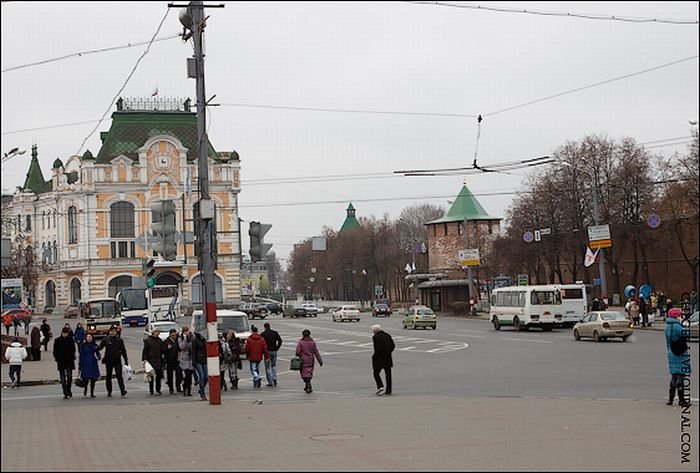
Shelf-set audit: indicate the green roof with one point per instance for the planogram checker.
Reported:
(350, 221)
(131, 129)
(35, 179)
(465, 207)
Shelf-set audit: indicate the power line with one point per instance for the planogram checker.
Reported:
(345, 110)
(85, 53)
(133, 70)
(578, 89)
(585, 16)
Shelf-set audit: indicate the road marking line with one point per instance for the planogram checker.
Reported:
(527, 340)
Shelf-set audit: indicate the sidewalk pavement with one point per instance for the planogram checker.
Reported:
(364, 433)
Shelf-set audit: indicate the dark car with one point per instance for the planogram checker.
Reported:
(274, 308)
(381, 310)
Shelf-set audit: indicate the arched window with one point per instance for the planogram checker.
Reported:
(117, 284)
(72, 225)
(50, 294)
(121, 215)
(198, 297)
(75, 290)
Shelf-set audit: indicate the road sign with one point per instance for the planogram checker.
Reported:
(600, 244)
(469, 257)
(522, 279)
(546, 231)
(599, 232)
(653, 220)
(378, 291)
(538, 235)
(528, 236)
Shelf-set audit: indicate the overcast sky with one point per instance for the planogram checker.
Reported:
(435, 67)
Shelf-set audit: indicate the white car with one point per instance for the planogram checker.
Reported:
(346, 312)
(164, 326)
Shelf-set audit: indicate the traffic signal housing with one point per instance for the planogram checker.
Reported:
(164, 228)
(258, 248)
(149, 271)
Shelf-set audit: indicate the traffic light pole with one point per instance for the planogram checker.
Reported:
(205, 237)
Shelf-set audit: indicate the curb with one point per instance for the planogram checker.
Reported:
(43, 382)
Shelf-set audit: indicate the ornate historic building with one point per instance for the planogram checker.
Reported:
(89, 225)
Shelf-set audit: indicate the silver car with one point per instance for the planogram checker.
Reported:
(602, 325)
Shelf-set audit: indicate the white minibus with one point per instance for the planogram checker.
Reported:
(526, 306)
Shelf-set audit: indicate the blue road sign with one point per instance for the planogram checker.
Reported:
(653, 220)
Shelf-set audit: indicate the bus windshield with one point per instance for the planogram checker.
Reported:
(133, 299)
(108, 308)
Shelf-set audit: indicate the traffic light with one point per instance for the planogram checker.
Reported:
(163, 227)
(149, 271)
(258, 248)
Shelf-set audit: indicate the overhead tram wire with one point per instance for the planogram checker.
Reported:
(85, 53)
(585, 16)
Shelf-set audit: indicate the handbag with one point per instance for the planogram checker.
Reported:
(295, 363)
(679, 346)
(80, 382)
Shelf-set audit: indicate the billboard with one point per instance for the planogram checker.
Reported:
(12, 295)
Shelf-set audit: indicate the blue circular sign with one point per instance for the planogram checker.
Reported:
(653, 220)
(528, 237)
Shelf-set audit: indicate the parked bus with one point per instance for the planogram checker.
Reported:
(577, 301)
(134, 306)
(98, 315)
(163, 303)
(526, 306)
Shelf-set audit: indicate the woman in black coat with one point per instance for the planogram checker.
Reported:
(64, 354)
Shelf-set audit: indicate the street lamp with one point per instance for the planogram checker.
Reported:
(12, 153)
(596, 220)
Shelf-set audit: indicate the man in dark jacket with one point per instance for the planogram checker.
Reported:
(64, 354)
(199, 360)
(153, 353)
(170, 351)
(114, 351)
(381, 358)
(274, 342)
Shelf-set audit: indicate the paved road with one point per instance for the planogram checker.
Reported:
(466, 397)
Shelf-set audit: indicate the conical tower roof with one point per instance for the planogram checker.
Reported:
(35, 179)
(350, 220)
(465, 207)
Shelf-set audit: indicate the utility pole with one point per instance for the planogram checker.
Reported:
(192, 18)
(469, 269)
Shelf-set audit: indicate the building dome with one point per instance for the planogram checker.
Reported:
(57, 164)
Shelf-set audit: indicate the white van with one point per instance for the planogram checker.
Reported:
(225, 320)
(526, 306)
(577, 301)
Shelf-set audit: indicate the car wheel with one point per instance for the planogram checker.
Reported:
(624, 339)
(434, 327)
(496, 324)
(516, 324)
(596, 337)
(403, 324)
(577, 336)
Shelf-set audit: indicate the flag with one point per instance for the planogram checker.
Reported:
(590, 257)
(408, 268)
(189, 182)
(155, 92)
(414, 266)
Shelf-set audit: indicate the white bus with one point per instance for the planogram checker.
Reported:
(134, 306)
(577, 302)
(163, 303)
(526, 306)
(98, 315)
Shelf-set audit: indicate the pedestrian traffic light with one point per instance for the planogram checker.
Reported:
(163, 227)
(258, 248)
(149, 271)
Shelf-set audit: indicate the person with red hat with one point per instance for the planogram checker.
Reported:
(678, 357)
